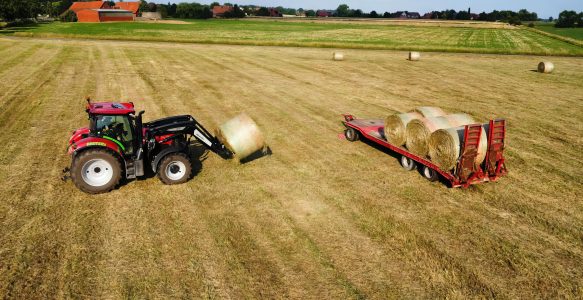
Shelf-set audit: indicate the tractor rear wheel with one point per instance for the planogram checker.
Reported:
(95, 171)
(175, 168)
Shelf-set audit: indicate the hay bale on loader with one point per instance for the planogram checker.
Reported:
(241, 135)
(419, 131)
(445, 147)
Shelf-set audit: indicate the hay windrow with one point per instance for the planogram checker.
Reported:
(396, 126)
(418, 132)
(430, 111)
(445, 147)
(241, 135)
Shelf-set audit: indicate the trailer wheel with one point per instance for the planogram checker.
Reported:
(407, 163)
(430, 174)
(174, 168)
(95, 171)
(351, 134)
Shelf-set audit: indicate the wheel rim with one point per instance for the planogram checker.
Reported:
(428, 172)
(97, 172)
(405, 161)
(350, 134)
(175, 170)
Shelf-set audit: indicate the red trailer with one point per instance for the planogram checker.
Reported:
(465, 173)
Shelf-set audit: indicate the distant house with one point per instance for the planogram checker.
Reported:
(324, 13)
(134, 7)
(428, 16)
(407, 15)
(274, 13)
(220, 10)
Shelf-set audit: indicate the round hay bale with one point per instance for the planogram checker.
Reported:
(545, 67)
(430, 111)
(414, 56)
(395, 126)
(460, 119)
(445, 147)
(418, 132)
(338, 56)
(241, 135)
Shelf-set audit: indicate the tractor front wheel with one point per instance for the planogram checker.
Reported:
(175, 168)
(95, 171)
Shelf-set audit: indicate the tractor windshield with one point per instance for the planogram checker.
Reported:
(116, 128)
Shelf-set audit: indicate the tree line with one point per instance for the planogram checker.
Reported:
(569, 18)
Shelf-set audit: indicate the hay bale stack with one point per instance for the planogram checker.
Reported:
(445, 147)
(396, 125)
(414, 56)
(241, 135)
(430, 111)
(338, 56)
(418, 132)
(545, 67)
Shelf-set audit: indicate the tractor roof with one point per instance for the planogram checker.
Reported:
(110, 108)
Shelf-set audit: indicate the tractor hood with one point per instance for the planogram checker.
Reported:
(78, 134)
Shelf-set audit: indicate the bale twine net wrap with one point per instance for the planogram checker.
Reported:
(241, 135)
(545, 67)
(338, 56)
(395, 126)
(414, 56)
(430, 111)
(445, 147)
(419, 131)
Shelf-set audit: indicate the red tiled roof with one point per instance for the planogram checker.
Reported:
(77, 6)
(131, 6)
(221, 9)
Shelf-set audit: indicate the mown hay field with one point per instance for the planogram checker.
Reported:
(319, 218)
(476, 37)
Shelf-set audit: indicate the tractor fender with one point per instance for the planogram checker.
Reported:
(162, 154)
(93, 142)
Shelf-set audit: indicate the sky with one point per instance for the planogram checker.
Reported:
(544, 8)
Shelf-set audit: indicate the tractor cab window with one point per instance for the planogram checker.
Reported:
(117, 128)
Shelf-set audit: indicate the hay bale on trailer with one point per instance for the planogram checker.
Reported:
(414, 56)
(430, 111)
(338, 56)
(546, 67)
(419, 131)
(445, 147)
(241, 135)
(396, 125)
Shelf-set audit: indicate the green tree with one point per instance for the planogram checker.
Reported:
(310, 13)
(343, 10)
(11, 10)
(567, 18)
(580, 19)
(263, 12)
(214, 4)
(373, 14)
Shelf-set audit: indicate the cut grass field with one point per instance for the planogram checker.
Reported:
(574, 33)
(319, 218)
(476, 38)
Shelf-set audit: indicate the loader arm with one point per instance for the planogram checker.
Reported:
(188, 125)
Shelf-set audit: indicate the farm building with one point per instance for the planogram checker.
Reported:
(274, 12)
(324, 13)
(131, 6)
(221, 10)
(102, 11)
(105, 15)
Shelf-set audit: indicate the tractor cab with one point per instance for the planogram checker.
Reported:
(114, 122)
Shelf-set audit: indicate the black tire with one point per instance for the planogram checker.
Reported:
(91, 173)
(175, 168)
(351, 134)
(430, 174)
(407, 163)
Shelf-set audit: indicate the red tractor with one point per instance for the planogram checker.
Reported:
(117, 144)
